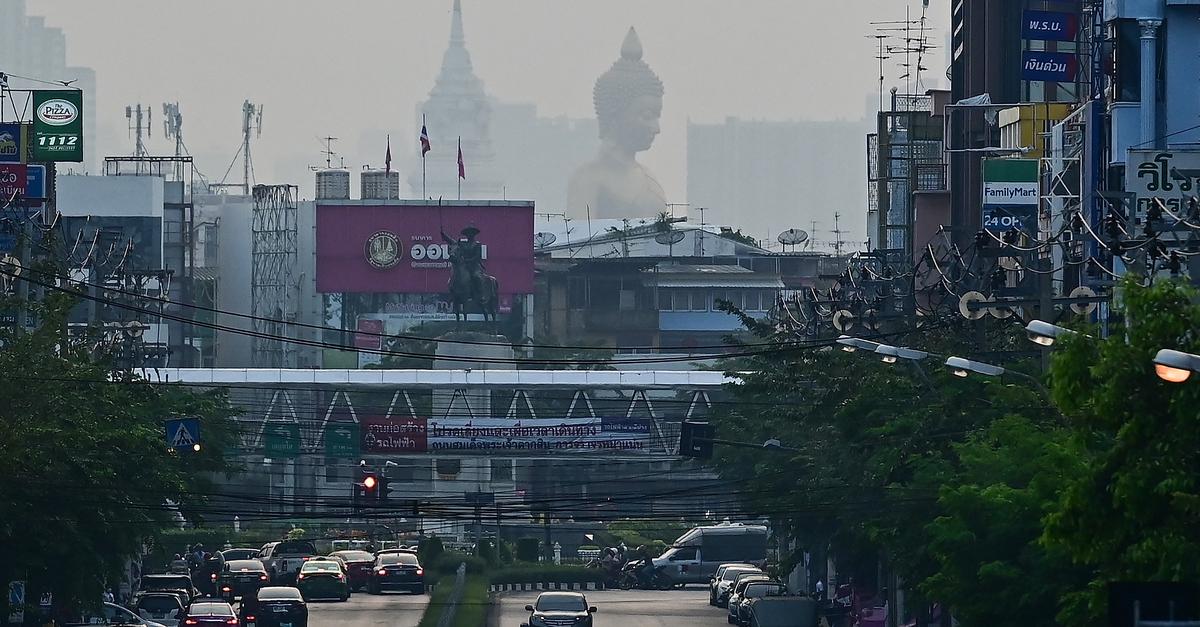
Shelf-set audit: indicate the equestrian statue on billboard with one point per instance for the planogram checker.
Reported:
(468, 281)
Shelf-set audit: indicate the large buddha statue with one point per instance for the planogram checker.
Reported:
(628, 99)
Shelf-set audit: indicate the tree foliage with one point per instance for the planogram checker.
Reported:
(85, 473)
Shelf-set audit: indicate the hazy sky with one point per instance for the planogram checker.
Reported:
(356, 69)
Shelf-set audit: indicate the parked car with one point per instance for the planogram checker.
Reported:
(783, 612)
(735, 593)
(240, 554)
(160, 607)
(109, 614)
(695, 555)
(274, 606)
(169, 583)
(357, 565)
(728, 578)
(397, 570)
(323, 579)
(712, 582)
(747, 590)
(283, 559)
(206, 612)
(241, 578)
(553, 609)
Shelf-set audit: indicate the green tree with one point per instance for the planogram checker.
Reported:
(1132, 513)
(85, 473)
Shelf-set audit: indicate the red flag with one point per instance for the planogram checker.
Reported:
(462, 169)
(387, 160)
(425, 147)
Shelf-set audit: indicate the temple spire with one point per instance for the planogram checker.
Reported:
(456, 25)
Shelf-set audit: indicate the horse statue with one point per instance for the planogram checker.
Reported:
(468, 281)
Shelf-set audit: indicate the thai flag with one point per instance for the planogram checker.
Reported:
(424, 138)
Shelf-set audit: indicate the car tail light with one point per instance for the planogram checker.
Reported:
(381, 572)
(214, 576)
(307, 558)
(300, 576)
(341, 577)
(191, 621)
(249, 618)
(420, 571)
(232, 621)
(262, 577)
(225, 588)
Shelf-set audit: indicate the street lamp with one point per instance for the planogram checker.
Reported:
(1044, 333)
(891, 354)
(964, 367)
(1175, 366)
(851, 344)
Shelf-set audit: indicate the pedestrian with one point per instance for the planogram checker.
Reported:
(108, 595)
(179, 565)
(820, 590)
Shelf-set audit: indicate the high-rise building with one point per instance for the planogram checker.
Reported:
(458, 109)
(764, 177)
(30, 48)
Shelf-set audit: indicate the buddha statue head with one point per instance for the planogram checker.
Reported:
(628, 99)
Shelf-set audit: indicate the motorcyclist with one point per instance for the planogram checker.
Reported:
(645, 568)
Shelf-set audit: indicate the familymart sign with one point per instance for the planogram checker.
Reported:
(1010, 195)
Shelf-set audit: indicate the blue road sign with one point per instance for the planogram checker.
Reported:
(16, 601)
(183, 433)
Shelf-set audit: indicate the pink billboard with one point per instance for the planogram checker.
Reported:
(398, 247)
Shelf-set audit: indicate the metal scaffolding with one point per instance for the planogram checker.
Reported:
(274, 276)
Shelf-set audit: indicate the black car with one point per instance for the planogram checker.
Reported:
(169, 583)
(274, 606)
(241, 578)
(396, 571)
(560, 609)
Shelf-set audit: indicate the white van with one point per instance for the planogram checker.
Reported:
(695, 556)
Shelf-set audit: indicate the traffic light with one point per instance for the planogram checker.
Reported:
(385, 489)
(370, 486)
(696, 439)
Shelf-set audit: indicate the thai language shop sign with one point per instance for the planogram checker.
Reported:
(1055, 67)
(57, 126)
(1169, 176)
(1010, 195)
(1050, 26)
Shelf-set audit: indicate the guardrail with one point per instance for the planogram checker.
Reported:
(456, 593)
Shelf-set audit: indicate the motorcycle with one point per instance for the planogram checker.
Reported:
(633, 577)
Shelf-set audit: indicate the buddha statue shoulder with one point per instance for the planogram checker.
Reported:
(628, 100)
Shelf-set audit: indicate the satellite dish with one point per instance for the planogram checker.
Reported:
(669, 238)
(968, 298)
(542, 240)
(791, 237)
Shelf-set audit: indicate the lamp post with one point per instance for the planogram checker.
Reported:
(1175, 366)
(1045, 334)
(962, 367)
(851, 344)
(892, 354)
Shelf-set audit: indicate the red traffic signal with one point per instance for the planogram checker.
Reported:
(369, 482)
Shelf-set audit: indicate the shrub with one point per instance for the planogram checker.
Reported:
(506, 552)
(528, 549)
(430, 549)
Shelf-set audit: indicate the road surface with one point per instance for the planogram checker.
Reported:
(395, 609)
(634, 608)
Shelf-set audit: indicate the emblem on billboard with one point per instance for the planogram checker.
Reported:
(58, 112)
(383, 250)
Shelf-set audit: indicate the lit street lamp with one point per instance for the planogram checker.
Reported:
(1175, 366)
(1044, 333)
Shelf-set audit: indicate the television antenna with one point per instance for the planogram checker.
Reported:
(139, 120)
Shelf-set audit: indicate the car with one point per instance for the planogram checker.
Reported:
(553, 609)
(747, 591)
(160, 607)
(403, 549)
(396, 570)
(209, 612)
(241, 577)
(728, 578)
(109, 614)
(357, 565)
(695, 555)
(783, 612)
(735, 594)
(240, 554)
(169, 583)
(712, 582)
(274, 606)
(283, 559)
(323, 579)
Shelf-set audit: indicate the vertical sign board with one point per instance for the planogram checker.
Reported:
(12, 143)
(14, 180)
(342, 440)
(16, 601)
(1011, 195)
(57, 126)
(1171, 177)
(1050, 26)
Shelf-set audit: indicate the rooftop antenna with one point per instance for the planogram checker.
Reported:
(837, 234)
(328, 151)
(139, 120)
(251, 123)
(173, 129)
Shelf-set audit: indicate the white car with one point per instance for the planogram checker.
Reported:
(160, 607)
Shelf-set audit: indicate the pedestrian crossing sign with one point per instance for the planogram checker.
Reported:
(183, 433)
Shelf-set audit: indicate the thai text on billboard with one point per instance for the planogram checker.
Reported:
(1054, 67)
(415, 435)
(1171, 177)
(399, 247)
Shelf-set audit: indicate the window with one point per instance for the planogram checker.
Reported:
(699, 300)
(687, 554)
(502, 470)
(576, 293)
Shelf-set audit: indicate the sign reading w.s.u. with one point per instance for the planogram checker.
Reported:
(1050, 26)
